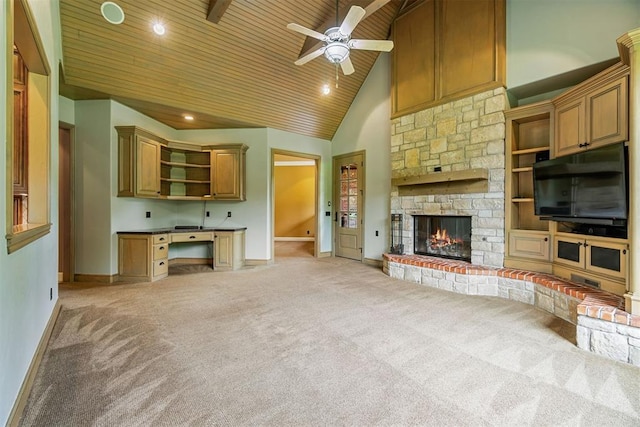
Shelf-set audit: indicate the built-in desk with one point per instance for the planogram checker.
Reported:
(143, 255)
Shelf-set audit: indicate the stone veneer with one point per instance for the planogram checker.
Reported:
(465, 134)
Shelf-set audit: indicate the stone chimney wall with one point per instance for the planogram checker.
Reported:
(465, 134)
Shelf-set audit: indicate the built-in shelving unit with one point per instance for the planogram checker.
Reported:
(529, 138)
(185, 173)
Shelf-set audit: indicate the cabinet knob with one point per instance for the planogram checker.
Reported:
(624, 252)
(162, 263)
(161, 248)
(546, 239)
(580, 243)
(586, 244)
(161, 239)
(192, 237)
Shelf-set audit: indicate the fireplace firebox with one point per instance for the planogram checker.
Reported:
(442, 236)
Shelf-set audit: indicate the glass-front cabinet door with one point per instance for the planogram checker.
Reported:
(348, 180)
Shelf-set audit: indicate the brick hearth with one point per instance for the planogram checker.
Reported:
(603, 327)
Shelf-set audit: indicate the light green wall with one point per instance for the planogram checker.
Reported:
(550, 37)
(367, 127)
(27, 275)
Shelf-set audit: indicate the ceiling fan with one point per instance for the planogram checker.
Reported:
(338, 42)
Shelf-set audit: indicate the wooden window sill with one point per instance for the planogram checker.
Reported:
(22, 235)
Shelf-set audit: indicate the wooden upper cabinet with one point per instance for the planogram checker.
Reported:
(147, 167)
(446, 50)
(594, 113)
(570, 127)
(228, 172)
(138, 162)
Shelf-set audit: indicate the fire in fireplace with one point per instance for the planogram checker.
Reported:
(442, 236)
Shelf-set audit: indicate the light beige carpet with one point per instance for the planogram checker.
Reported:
(317, 342)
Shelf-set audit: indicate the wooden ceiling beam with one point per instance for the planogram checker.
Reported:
(370, 6)
(217, 9)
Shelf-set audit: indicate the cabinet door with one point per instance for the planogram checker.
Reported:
(225, 174)
(569, 251)
(529, 245)
(607, 114)
(570, 127)
(223, 257)
(134, 256)
(147, 167)
(607, 258)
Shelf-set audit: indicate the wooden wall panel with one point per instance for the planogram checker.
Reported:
(446, 50)
(414, 54)
(467, 45)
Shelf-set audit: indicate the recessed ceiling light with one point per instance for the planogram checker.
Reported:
(188, 117)
(326, 90)
(158, 28)
(112, 12)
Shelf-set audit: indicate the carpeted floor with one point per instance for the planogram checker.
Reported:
(316, 342)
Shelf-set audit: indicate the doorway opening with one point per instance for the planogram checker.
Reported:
(295, 204)
(65, 203)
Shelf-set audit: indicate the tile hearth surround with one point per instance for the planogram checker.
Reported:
(467, 134)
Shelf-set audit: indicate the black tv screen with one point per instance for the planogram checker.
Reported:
(587, 187)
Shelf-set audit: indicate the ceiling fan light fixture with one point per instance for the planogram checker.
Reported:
(336, 52)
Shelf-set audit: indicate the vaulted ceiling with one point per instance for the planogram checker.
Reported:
(238, 72)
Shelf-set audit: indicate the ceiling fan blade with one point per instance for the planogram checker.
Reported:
(355, 14)
(375, 5)
(307, 31)
(347, 66)
(309, 56)
(379, 45)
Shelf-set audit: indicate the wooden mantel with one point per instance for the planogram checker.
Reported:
(455, 182)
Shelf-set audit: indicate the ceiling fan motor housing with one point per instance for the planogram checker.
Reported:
(337, 49)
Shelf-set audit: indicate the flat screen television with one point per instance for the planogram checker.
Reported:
(588, 187)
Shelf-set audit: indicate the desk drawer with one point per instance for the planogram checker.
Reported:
(201, 236)
(160, 251)
(160, 238)
(160, 267)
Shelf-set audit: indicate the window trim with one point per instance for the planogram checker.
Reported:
(23, 32)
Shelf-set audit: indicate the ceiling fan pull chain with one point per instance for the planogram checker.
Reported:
(337, 76)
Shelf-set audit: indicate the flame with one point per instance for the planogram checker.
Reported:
(442, 238)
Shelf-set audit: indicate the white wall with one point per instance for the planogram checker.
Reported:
(550, 37)
(367, 126)
(66, 110)
(29, 274)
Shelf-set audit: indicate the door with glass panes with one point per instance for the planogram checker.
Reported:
(348, 203)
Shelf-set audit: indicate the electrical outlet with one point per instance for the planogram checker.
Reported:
(229, 214)
(148, 214)
(208, 214)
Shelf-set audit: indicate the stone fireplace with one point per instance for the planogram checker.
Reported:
(442, 236)
(449, 160)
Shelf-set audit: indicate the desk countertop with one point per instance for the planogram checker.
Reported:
(181, 230)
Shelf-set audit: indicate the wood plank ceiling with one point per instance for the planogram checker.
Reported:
(236, 73)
